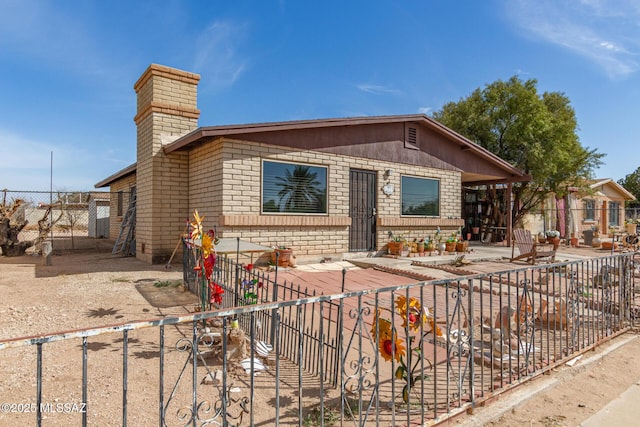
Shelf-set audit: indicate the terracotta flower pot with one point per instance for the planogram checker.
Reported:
(462, 246)
(395, 248)
(283, 257)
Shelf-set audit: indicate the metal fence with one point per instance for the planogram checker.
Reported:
(73, 213)
(412, 355)
(244, 285)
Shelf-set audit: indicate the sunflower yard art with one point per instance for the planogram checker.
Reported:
(403, 346)
(204, 244)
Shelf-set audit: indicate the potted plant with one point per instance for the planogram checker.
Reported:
(450, 243)
(396, 245)
(553, 236)
(574, 240)
(281, 255)
(631, 225)
(542, 238)
(428, 244)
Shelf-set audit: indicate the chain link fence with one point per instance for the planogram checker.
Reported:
(72, 214)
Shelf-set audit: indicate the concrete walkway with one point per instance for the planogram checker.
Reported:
(623, 411)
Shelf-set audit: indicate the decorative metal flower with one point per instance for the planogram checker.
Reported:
(417, 322)
(216, 292)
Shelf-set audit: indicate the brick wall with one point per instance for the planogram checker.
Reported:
(167, 109)
(115, 220)
(233, 204)
(222, 180)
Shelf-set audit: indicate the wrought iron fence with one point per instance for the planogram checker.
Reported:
(244, 285)
(475, 337)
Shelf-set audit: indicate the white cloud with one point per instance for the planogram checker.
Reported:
(605, 32)
(27, 164)
(425, 110)
(18, 152)
(217, 55)
(377, 89)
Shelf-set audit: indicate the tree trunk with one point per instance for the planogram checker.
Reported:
(16, 249)
(9, 231)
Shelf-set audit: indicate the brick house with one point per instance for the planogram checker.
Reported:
(365, 177)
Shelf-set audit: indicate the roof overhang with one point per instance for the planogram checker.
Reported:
(617, 187)
(129, 170)
(463, 155)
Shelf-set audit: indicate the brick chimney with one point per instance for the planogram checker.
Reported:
(167, 109)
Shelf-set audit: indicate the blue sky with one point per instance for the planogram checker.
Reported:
(67, 69)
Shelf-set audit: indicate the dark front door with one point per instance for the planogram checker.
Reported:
(362, 209)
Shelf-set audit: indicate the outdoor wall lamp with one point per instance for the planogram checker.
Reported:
(388, 173)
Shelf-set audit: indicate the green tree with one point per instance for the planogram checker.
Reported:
(631, 183)
(301, 191)
(535, 133)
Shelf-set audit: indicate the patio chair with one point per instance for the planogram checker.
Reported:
(530, 251)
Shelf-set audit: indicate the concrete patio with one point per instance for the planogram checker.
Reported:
(377, 272)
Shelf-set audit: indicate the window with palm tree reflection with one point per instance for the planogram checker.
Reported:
(293, 188)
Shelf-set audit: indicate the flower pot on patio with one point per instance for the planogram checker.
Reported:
(283, 256)
(462, 246)
(631, 228)
(395, 248)
(450, 246)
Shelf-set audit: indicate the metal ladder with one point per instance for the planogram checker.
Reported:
(126, 242)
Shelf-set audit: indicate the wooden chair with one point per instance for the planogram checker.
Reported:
(530, 251)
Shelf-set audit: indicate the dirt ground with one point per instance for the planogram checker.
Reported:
(568, 395)
(94, 288)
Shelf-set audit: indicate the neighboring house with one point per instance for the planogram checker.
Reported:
(603, 207)
(323, 187)
(600, 206)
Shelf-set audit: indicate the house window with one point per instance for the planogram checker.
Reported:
(120, 203)
(293, 188)
(614, 214)
(589, 210)
(420, 196)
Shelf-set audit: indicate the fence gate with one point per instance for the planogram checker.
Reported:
(362, 209)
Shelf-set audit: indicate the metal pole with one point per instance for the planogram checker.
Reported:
(274, 298)
(51, 199)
